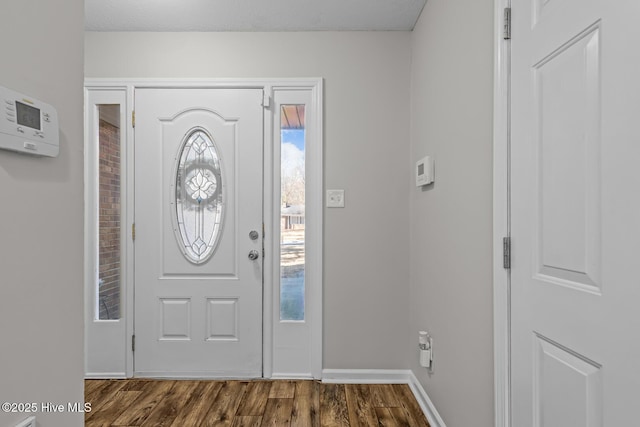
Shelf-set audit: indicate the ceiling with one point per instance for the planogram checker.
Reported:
(292, 117)
(252, 15)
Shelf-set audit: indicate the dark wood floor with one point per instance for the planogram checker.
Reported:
(249, 403)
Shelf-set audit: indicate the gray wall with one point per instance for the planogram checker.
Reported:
(366, 150)
(451, 222)
(41, 216)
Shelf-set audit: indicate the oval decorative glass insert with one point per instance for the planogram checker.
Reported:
(198, 197)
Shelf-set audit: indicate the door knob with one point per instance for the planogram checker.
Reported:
(253, 255)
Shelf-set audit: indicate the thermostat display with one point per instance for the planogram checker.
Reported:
(27, 125)
(28, 116)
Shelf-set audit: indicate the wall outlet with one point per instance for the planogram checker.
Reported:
(335, 198)
(425, 346)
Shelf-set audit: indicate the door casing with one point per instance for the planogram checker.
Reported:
(501, 217)
(271, 271)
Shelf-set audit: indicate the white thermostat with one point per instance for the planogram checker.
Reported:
(424, 171)
(28, 125)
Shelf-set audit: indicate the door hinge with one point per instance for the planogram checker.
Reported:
(133, 119)
(133, 343)
(133, 231)
(506, 24)
(506, 253)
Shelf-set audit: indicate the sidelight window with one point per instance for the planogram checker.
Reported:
(109, 213)
(292, 219)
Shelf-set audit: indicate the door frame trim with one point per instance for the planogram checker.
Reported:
(501, 218)
(314, 191)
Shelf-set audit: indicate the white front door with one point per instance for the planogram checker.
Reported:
(575, 148)
(198, 232)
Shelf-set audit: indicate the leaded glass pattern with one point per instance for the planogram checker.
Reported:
(198, 197)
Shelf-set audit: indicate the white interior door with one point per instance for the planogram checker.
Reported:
(575, 212)
(198, 223)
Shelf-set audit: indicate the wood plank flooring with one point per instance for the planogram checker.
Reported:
(185, 403)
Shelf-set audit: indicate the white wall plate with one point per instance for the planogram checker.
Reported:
(335, 198)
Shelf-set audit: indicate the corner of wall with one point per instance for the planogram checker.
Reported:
(451, 288)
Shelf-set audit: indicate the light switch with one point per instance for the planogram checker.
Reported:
(335, 198)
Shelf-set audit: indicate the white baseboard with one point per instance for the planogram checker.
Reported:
(278, 376)
(425, 403)
(105, 376)
(365, 376)
(387, 376)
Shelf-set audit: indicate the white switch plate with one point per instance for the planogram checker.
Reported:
(335, 198)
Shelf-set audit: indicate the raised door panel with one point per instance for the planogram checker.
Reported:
(175, 319)
(567, 387)
(568, 147)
